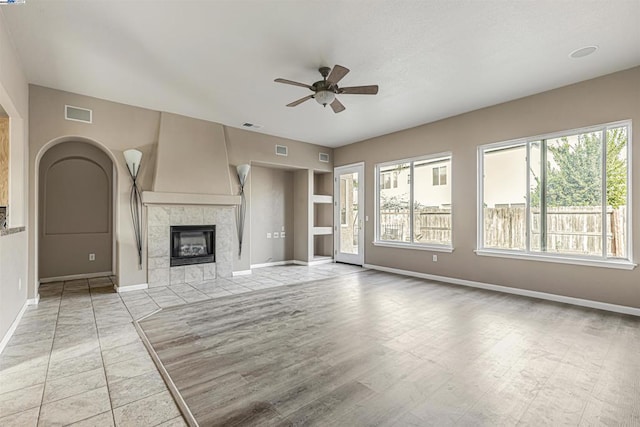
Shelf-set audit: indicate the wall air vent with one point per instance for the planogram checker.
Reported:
(282, 150)
(78, 114)
(251, 125)
(324, 157)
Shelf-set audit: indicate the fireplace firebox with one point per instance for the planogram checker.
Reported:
(192, 244)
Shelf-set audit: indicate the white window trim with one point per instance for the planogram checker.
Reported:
(407, 245)
(625, 264)
(418, 246)
(621, 264)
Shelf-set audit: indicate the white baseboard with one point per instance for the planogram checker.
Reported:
(314, 262)
(272, 264)
(516, 291)
(14, 325)
(75, 277)
(241, 273)
(12, 328)
(121, 289)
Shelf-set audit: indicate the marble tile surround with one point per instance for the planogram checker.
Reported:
(159, 221)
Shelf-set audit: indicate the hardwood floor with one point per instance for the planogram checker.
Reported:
(373, 348)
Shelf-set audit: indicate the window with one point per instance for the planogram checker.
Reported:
(563, 195)
(389, 180)
(413, 211)
(439, 175)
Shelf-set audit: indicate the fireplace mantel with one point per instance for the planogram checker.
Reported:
(159, 198)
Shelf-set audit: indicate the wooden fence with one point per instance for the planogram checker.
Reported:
(433, 225)
(570, 230)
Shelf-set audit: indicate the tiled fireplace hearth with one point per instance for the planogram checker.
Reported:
(160, 219)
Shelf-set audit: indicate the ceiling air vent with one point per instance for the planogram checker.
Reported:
(78, 114)
(251, 125)
(282, 150)
(324, 157)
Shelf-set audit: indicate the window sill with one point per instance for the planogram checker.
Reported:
(430, 248)
(617, 264)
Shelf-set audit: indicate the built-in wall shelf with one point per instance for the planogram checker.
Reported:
(314, 227)
(319, 198)
(322, 231)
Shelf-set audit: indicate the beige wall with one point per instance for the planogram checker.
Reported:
(171, 142)
(272, 200)
(605, 99)
(14, 99)
(115, 128)
(257, 149)
(76, 210)
(192, 157)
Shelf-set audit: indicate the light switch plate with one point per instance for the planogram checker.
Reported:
(268, 235)
(282, 235)
(276, 235)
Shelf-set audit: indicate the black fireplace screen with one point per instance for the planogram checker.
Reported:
(192, 244)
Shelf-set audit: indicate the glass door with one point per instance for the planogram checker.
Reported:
(349, 214)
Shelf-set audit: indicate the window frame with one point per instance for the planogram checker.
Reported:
(448, 155)
(527, 254)
(439, 170)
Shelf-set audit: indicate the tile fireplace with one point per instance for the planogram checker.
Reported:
(208, 231)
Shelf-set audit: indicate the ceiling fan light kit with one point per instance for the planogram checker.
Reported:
(325, 90)
(325, 97)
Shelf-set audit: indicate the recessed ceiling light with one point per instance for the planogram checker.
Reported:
(583, 51)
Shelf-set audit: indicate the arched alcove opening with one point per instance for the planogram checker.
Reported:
(75, 212)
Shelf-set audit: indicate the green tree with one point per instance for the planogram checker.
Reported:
(574, 177)
(616, 167)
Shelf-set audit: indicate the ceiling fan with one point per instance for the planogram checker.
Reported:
(325, 90)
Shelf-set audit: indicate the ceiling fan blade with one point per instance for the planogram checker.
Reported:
(337, 74)
(359, 90)
(300, 101)
(337, 106)
(291, 82)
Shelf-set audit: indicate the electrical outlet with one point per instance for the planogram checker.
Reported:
(276, 235)
(282, 235)
(92, 257)
(435, 258)
(268, 235)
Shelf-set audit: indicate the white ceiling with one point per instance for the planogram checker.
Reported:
(216, 60)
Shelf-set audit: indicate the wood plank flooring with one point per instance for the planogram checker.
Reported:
(373, 348)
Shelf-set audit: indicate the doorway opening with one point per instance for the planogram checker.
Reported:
(349, 214)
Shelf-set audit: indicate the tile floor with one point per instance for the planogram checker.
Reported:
(76, 358)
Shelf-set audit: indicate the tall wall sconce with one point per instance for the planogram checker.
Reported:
(133, 158)
(243, 172)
